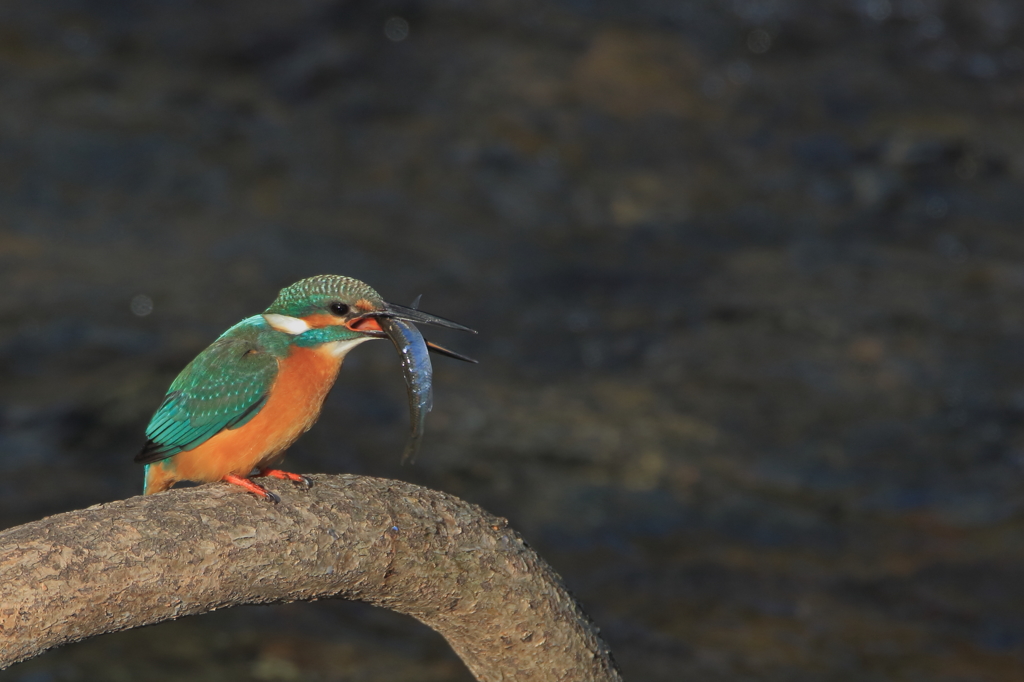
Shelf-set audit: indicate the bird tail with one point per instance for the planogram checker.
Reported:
(157, 479)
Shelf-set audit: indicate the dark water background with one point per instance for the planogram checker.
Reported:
(748, 275)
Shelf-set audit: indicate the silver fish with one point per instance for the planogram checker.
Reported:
(418, 377)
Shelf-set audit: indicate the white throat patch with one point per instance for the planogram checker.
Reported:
(286, 324)
(339, 349)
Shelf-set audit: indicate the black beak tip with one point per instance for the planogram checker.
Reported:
(419, 317)
(441, 350)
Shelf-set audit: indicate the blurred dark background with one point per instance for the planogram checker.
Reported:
(748, 274)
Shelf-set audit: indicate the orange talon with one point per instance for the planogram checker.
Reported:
(286, 476)
(252, 487)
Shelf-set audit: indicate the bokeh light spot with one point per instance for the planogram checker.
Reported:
(759, 41)
(879, 10)
(142, 305)
(739, 72)
(396, 29)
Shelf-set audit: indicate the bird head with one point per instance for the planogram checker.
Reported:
(350, 308)
(334, 314)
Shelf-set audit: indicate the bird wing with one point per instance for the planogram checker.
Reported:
(223, 388)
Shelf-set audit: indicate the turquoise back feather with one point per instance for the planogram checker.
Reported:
(223, 388)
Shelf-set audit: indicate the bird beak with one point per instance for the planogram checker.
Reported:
(419, 317)
(369, 325)
(441, 350)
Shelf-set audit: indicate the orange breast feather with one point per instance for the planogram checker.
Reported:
(303, 380)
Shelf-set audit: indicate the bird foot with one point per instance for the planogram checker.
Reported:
(255, 489)
(287, 476)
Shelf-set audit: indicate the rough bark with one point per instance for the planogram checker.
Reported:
(444, 561)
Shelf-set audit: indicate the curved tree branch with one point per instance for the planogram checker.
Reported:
(433, 556)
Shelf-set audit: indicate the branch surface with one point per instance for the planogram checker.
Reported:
(446, 562)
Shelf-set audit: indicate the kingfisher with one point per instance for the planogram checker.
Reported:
(236, 408)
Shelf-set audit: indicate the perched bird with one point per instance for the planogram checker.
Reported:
(234, 410)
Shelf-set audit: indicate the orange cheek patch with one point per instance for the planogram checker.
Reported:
(319, 321)
(364, 305)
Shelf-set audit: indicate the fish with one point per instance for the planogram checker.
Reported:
(418, 373)
(416, 367)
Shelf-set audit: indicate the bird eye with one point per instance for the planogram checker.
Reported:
(338, 308)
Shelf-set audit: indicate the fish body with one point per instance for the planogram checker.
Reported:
(418, 373)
